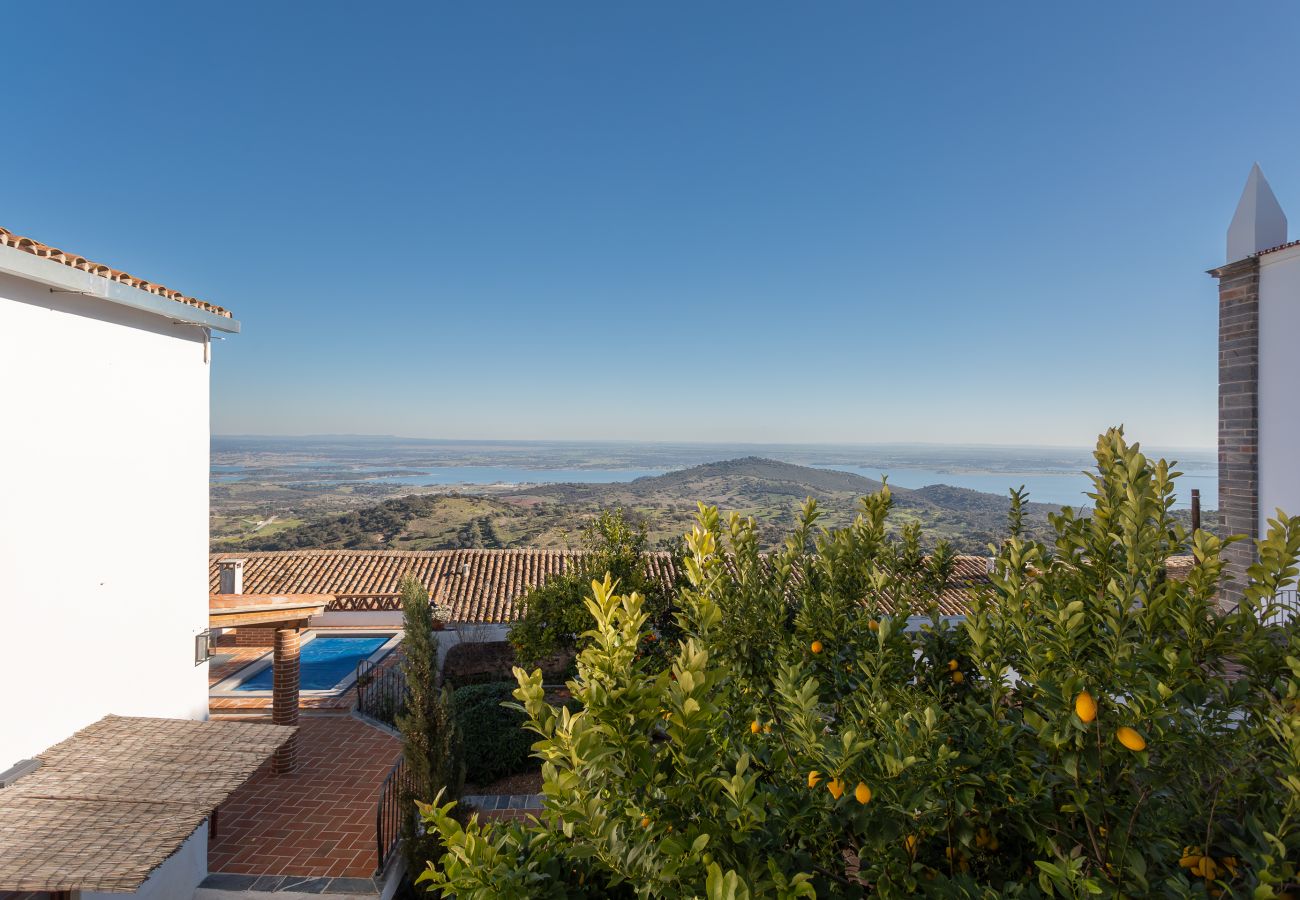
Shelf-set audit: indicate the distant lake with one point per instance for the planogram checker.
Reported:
(505, 475)
(1063, 488)
(419, 476)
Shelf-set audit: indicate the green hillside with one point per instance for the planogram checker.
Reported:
(553, 515)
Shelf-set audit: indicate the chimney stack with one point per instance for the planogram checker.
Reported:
(232, 576)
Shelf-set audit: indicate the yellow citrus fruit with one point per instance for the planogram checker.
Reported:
(985, 839)
(754, 727)
(958, 677)
(952, 665)
(862, 793)
(873, 625)
(645, 821)
(816, 647)
(1130, 739)
(910, 843)
(836, 787)
(813, 777)
(1085, 707)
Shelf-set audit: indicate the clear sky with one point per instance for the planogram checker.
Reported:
(748, 221)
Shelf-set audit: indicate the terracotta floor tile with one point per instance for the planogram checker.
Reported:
(320, 820)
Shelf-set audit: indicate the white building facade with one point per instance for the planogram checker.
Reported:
(104, 512)
(104, 521)
(1259, 403)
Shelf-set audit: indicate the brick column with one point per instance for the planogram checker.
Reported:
(1238, 415)
(284, 696)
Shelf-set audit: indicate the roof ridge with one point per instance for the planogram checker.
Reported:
(72, 260)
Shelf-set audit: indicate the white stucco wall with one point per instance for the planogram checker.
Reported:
(104, 448)
(367, 618)
(1279, 384)
(175, 879)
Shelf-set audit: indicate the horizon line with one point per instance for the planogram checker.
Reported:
(698, 443)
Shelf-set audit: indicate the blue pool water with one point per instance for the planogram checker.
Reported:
(325, 661)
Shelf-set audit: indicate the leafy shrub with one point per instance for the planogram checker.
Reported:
(554, 618)
(496, 743)
(1093, 728)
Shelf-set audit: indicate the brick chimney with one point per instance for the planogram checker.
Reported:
(232, 576)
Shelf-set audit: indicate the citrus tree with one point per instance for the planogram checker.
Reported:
(1093, 726)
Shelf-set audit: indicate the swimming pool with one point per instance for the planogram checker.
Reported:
(327, 664)
(323, 663)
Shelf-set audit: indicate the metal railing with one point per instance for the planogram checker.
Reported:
(394, 802)
(381, 693)
(1283, 608)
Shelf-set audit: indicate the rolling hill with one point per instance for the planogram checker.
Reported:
(553, 515)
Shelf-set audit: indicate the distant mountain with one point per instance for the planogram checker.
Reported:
(554, 514)
(747, 478)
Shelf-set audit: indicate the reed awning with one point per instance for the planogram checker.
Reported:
(114, 801)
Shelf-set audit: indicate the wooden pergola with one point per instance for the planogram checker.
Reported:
(288, 614)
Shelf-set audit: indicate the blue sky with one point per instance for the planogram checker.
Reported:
(668, 221)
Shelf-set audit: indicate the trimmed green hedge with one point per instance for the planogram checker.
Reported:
(496, 743)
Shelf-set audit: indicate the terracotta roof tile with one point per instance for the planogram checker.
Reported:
(489, 588)
(45, 251)
(1179, 567)
(1285, 246)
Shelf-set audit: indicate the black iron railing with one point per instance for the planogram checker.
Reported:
(381, 693)
(394, 802)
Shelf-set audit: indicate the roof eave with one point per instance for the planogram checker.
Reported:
(64, 278)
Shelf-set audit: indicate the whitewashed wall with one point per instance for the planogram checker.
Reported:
(175, 879)
(1279, 384)
(104, 448)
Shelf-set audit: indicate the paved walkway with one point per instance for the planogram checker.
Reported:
(496, 807)
(318, 821)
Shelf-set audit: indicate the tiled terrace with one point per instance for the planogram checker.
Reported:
(318, 821)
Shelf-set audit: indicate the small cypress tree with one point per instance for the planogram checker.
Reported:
(431, 742)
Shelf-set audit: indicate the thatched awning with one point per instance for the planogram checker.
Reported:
(112, 802)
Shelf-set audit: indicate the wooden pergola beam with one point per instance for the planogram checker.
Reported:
(284, 610)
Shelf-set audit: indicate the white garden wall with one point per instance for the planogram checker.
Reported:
(104, 449)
